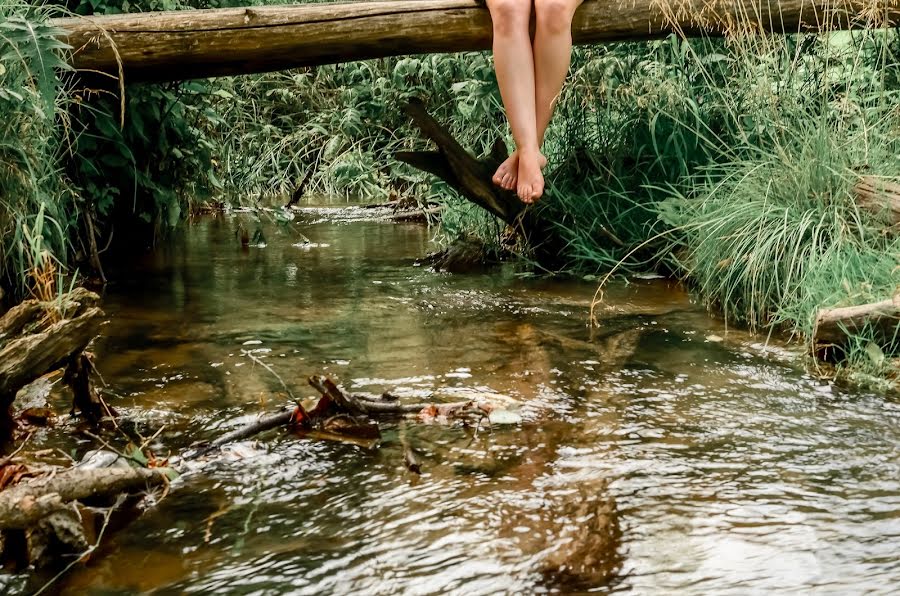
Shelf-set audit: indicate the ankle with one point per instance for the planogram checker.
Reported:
(534, 154)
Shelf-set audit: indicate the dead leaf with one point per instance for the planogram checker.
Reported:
(11, 474)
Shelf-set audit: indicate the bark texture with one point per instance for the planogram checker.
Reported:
(834, 326)
(25, 359)
(880, 197)
(24, 504)
(471, 177)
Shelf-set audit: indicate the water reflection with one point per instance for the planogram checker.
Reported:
(653, 456)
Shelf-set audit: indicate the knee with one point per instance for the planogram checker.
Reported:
(554, 16)
(509, 16)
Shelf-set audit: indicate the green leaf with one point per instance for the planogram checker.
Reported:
(137, 455)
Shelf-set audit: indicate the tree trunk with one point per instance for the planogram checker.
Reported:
(168, 46)
(471, 177)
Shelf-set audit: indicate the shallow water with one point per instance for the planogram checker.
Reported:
(661, 453)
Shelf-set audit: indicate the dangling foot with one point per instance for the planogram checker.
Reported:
(530, 185)
(507, 175)
(508, 172)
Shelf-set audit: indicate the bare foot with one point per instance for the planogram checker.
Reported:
(530, 184)
(507, 175)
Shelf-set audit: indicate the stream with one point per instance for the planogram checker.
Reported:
(722, 465)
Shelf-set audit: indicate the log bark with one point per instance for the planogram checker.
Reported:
(879, 197)
(27, 502)
(834, 326)
(167, 46)
(33, 315)
(26, 358)
(17, 318)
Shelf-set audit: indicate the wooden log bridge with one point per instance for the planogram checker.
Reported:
(179, 45)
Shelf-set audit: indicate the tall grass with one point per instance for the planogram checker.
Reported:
(770, 230)
(37, 206)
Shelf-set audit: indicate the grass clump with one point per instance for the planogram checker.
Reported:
(38, 209)
(772, 229)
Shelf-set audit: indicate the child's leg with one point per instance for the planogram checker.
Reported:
(514, 63)
(552, 53)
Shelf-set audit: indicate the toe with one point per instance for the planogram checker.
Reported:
(524, 192)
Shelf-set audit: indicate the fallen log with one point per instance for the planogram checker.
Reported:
(58, 331)
(22, 505)
(879, 197)
(179, 45)
(330, 416)
(356, 404)
(15, 320)
(27, 358)
(32, 315)
(835, 326)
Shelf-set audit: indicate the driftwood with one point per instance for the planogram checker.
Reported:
(85, 398)
(835, 326)
(880, 197)
(15, 320)
(40, 521)
(24, 504)
(334, 416)
(265, 423)
(167, 46)
(357, 404)
(27, 358)
(57, 334)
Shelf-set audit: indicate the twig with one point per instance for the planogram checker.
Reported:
(148, 441)
(10, 457)
(66, 455)
(223, 509)
(274, 374)
(409, 456)
(279, 419)
(119, 500)
(114, 450)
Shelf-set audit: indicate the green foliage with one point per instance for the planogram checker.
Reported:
(146, 156)
(345, 122)
(36, 207)
(153, 161)
(770, 230)
(731, 162)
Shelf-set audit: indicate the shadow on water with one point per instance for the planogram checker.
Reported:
(662, 454)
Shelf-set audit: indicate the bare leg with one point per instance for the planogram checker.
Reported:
(552, 54)
(514, 63)
(552, 50)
